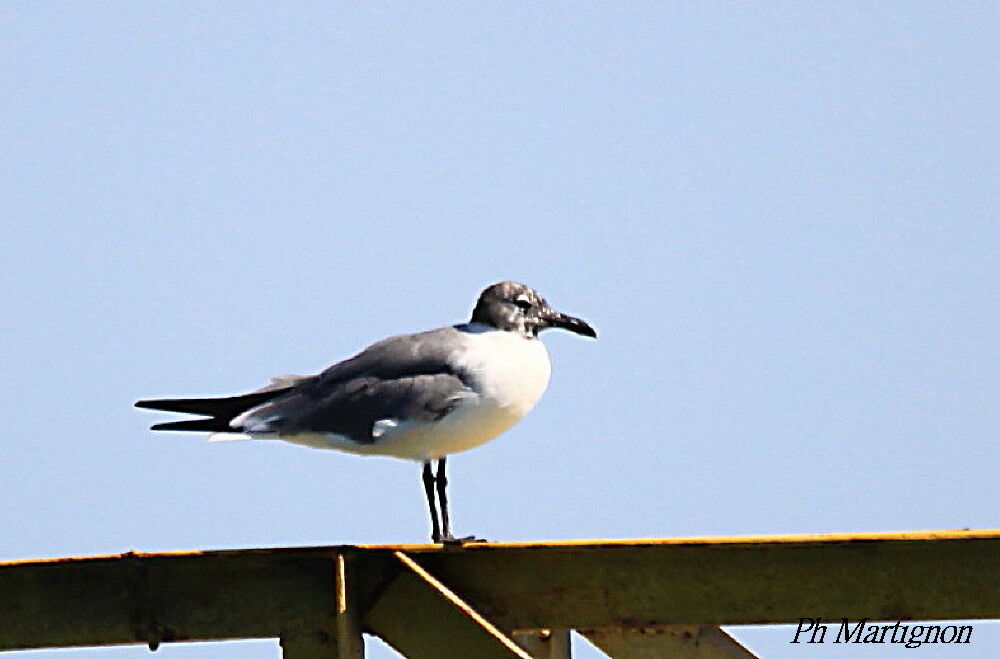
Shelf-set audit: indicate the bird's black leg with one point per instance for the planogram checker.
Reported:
(428, 477)
(442, 487)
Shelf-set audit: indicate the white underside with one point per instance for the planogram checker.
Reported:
(509, 375)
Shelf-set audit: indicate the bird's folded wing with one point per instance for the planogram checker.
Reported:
(403, 378)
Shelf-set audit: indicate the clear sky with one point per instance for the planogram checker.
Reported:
(781, 217)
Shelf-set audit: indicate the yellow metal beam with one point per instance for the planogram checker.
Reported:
(287, 593)
(148, 598)
(785, 538)
(947, 575)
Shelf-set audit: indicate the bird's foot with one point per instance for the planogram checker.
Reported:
(452, 540)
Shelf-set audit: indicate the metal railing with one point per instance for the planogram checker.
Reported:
(631, 598)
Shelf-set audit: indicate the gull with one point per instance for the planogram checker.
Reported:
(416, 396)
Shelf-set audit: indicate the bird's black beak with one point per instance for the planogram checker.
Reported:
(575, 325)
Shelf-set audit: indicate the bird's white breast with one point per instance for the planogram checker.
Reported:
(507, 374)
(506, 368)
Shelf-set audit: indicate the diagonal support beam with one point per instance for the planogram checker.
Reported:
(675, 641)
(423, 619)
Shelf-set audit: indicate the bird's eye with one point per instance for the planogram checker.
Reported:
(523, 303)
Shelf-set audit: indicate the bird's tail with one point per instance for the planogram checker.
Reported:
(220, 411)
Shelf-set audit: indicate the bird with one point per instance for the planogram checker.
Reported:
(419, 397)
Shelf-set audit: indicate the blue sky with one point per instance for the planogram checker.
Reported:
(781, 217)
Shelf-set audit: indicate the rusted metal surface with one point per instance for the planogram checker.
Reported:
(947, 575)
(144, 598)
(628, 584)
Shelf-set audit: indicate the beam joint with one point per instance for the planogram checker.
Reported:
(424, 619)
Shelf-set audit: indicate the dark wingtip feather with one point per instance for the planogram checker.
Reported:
(221, 410)
(209, 425)
(205, 406)
(227, 407)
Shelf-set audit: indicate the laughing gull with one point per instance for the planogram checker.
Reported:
(416, 396)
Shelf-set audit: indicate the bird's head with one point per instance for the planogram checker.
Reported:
(514, 307)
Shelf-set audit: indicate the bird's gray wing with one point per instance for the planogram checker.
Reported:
(402, 378)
